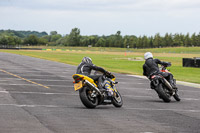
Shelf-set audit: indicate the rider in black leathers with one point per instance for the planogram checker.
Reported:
(85, 68)
(151, 67)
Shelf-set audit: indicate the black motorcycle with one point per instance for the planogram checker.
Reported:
(163, 87)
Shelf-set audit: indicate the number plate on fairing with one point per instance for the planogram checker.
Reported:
(78, 86)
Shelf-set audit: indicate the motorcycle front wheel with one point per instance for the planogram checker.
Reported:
(176, 97)
(117, 100)
(163, 93)
(86, 98)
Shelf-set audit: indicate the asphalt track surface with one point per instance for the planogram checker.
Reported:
(37, 96)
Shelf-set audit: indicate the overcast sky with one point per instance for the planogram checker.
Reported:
(102, 17)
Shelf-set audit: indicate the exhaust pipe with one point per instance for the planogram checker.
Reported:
(168, 85)
(93, 86)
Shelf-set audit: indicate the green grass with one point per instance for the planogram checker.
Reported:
(186, 50)
(118, 62)
(182, 50)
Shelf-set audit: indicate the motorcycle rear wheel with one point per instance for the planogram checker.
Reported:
(86, 99)
(117, 100)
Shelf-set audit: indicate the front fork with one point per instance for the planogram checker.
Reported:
(111, 88)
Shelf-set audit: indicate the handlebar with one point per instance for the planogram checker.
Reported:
(167, 64)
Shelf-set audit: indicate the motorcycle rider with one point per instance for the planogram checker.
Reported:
(151, 67)
(85, 68)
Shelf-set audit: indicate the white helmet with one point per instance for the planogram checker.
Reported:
(148, 55)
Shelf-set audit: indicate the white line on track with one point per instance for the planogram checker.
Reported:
(52, 80)
(33, 75)
(129, 83)
(22, 72)
(48, 106)
(18, 84)
(39, 93)
(143, 109)
(195, 91)
(190, 99)
(6, 79)
(61, 86)
(135, 96)
(60, 76)
(34, 85)
(11, 79)
(39, 75)
(39, 70)
(3, 80)
(153, 109)
(128, 88)
(45, 93)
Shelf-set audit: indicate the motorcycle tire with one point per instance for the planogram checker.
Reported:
(176, 97)
(117, 100)
(86, 99)
(163, 94)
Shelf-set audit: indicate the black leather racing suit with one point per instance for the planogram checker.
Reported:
(86, 68)
(151, 67)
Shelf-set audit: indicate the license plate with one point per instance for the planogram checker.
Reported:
(78, 86)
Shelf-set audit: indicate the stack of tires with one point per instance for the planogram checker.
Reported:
(191, 62)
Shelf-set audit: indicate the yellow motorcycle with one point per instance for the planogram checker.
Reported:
(91, 95)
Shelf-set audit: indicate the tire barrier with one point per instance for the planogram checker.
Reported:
(191, 62)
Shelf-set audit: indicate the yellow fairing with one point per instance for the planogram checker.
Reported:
(113, 79)
(84, 78)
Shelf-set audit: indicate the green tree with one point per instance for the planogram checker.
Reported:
(194, 40)
(157, 40)
(100, 42)
(4, 41)
(17, 41)
(31, 40)
(54, 38)
(93, 40)
(53, 33)
(84, 41)
(198, 40)
(11, 41)
(139, 42)
(145, 42)
(126, 41)
(42, 41)
(178, 40)
(74, 37)
(187, 40)
(151, 42)
(118, 40)
(111, 41)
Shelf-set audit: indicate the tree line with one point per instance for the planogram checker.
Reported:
(11, 38)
